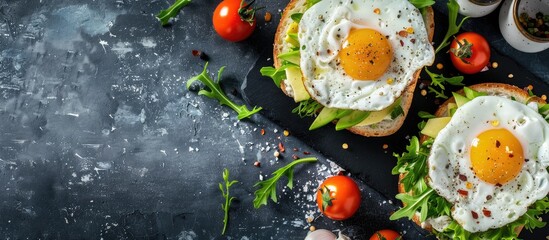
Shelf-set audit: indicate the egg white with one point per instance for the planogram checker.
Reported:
(322, 32)
(450, 153)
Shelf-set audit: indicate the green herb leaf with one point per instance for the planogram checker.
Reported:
(422, 3)
(423, 114)
(225, 192)
(453, 28)
(439, 81)
(277, 74)
(214, 91)
(413, 203)
(307, 108)
(310, 3)
(267, 188)
(165, 15)
(296, 17)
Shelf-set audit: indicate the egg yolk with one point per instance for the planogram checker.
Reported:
(496, 156)
(366, 55)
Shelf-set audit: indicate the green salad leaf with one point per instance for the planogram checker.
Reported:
(228, 199)
(422, 3)
(214, 91)
(165, 15)
(267, 188)
(453, 26)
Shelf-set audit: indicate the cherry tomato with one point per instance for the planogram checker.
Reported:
(338, 197)
(385, 234)
(469, 52)
(234, 20)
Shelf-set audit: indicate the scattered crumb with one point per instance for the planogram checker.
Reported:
(440, 66)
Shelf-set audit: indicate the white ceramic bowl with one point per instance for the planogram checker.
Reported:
(477, 8)
(510, 27)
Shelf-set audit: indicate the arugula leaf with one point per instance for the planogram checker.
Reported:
(419, 4)
(413, 203)
(307, 108)
(225, 192)
(267, 188)
(277, 74)
(453, 8)
(439, 80)
(165, 15)
(216, 92)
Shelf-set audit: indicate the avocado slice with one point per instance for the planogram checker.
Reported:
(351, 120)
(327, 115)
(292, 56)
(460, 99)
(294, 77)
(434, 125)
(378, 116)
(292, 29)
(451, 109)
(470, 93)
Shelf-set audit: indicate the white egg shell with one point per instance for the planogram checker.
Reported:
(322, 32)
(449, 159)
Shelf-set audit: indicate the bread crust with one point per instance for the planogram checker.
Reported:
(386, 127)
(500, 89)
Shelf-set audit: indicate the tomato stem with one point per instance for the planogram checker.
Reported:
(463, 51)
(326, 198)
(246, 12)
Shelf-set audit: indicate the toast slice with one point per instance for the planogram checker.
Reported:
(493, 89)
(383, 128)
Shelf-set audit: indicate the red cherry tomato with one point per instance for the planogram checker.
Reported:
(469, 52)
(385, 234)
(234, 20)
(338, 197)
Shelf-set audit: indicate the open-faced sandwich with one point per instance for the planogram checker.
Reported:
(480, 168)
(353, 61)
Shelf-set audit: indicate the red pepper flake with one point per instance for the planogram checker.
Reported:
(295, 157)
(463, 192)
(281, 148)
(462, 177)
(307, 153)
(268, 16)
(403, 33)
(401, 43)
(257, 164)
(475, 215)
(200, 54)
(486, 212)
(489, 197)
(262, 131)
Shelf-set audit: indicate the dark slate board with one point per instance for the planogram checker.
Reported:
(366, 157)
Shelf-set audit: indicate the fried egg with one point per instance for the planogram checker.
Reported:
(490, 162)
(361, 54)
